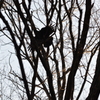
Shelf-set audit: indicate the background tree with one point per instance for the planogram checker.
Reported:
(56, 43)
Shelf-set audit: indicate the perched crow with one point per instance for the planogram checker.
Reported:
(43, 36)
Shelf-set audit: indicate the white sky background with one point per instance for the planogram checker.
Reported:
(7, 54)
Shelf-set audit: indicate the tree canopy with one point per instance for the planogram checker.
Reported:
(52, 49)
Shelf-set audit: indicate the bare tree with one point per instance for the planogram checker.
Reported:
(58, 41)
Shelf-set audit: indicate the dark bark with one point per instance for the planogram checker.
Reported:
(18, 55)
(95, 87)
(78, 53)
(42, 58)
